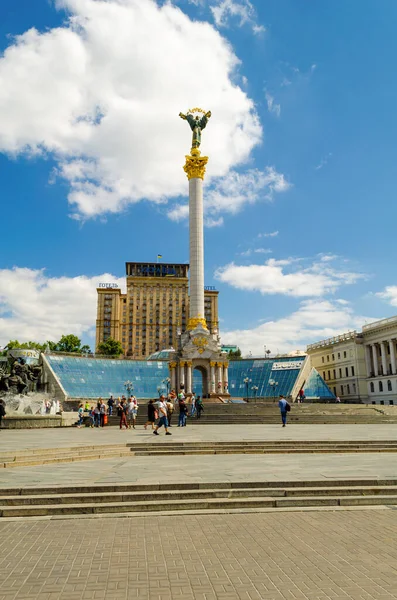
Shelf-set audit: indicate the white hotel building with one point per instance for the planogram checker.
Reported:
(380, 344)
(360, 366)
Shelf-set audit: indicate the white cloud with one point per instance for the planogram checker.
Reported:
(272, 107)
(286, 277)
(389, 294)
(35, 306)
(328, 257)
(229, 194)
(104, 95)
(313, 321)
(240, 11)
(270, 234)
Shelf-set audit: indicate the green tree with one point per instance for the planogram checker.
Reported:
(85, 349)
(110, 348)
(24, 345)
(235, 354)
(69, 343)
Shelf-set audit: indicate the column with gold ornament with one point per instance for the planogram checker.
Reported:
(212, 365)
(189, 365)
(195, 170)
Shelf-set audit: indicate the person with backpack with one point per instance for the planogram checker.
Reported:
(110, 406)
(284, 407)
(199, 407)
(183, 410)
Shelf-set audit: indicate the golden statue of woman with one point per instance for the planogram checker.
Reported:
(197, 124)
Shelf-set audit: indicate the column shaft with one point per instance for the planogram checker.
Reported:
(375, 359)
(189, 378)
(384, 358)
(196, 301)
(182, 375)
(212, 382)
(393, 357)
(368, 361)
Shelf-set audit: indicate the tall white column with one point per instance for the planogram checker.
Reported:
(225, 377)
(375, 359)
(182, 374)
(188, 377)
(196, 301)
(384, 357)
(368, 361)
(393, 357)
(220, 387)
(212, 382)
(173, 376)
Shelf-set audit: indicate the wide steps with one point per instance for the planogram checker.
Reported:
(162, 448)
(137, 499)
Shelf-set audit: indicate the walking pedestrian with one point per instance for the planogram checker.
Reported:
(162, 407)
(121, 411)
(151, 414)
(284, 407)
(199, 407)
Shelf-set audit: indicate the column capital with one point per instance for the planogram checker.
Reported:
(182, 363)
(189, 363)
(195, 166)
(219, 364)
(172, 365)
(212, 364)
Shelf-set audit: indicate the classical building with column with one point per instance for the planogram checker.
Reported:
(341, 362)
(380, 344)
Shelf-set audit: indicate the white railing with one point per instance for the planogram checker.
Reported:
(334, 340)
(380, 323)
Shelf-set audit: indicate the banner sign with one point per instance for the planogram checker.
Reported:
(108, 285)
(287, 366)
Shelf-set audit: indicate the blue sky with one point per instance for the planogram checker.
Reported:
(300, 192)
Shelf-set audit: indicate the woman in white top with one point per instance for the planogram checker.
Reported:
(132, 411)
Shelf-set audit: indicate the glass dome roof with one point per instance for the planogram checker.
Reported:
(161, 354)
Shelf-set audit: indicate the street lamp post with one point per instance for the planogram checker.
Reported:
(247, 381)
(160, 390)
(273, 384)
(255, 390)
(129, 386)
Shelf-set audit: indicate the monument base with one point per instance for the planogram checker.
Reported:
(200, 350)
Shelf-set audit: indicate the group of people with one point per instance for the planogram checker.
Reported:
(159, 413)
(127, 410)
(163, 410)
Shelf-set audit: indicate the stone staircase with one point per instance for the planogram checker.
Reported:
(179, 498)
(160, 447)
(268, 414)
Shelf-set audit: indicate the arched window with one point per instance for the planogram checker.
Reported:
(372, 387)
(389, 389)
(380, 386)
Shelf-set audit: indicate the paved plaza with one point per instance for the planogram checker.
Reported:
(284, 556)
(291, 555)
